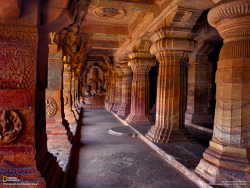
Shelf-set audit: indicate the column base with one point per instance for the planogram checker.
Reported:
(116, 106)
(124, 110)
(136, 119)
(225, 164)
(199, 119)
(108, 105)
(165, 135)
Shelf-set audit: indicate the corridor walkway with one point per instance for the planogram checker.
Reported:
(103, 160)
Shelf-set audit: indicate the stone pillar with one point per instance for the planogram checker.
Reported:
(127, 77)
(56, 133)
(76, 92)
(171, 53)
(139, 113)
(118, 89)
(198, 104)
(20, 104)
(67, 98)
(72, 89)
(227, 158)
(111, 99)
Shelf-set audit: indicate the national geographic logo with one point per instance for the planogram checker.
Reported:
(10, 179)
(5, 179)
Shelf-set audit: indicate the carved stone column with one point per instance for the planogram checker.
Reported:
(118, 89)
(67, 98)
(140, 66)
(111, 98)
(171, 53)
(72, 90)
(19, 105)
(198, 104)
(56, 132)
(76, 95)
(127, 77)
(227, 158)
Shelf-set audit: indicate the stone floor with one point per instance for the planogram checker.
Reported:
(104, 160)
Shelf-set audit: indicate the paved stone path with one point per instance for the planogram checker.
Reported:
(104, 160)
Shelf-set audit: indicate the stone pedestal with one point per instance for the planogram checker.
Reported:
(227, 158)
(171, 54)
(139, 113)
(19, 104)
(198, 103)
(56, 133)
(118, 90)
(127, 77)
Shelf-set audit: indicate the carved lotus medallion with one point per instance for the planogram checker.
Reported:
(109, 13)
(10, 126)
(51, 107)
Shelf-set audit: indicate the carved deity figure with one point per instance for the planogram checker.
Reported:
(95, 83)
(10, 126)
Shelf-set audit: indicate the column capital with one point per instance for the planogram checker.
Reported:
(125, 68)
(231, 19)
(172, 44)
(141, 65)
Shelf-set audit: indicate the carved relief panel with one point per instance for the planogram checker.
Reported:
(94, 81)
(10, 126)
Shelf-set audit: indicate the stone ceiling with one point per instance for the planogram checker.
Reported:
(110, 23)
(114, 28)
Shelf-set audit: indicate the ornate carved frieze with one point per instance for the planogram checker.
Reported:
(51, 107)
(18, 57)
(10, 126)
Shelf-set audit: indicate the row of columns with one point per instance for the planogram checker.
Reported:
(62, 106)
(227, 158)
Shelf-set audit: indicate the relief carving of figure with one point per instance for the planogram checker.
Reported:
(95, 85)
(10, 126)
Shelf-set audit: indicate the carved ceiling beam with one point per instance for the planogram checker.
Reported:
(137, 1)
(98, 44)
(177, 13)
(101, 52)
(107, 29)
(123, 4)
